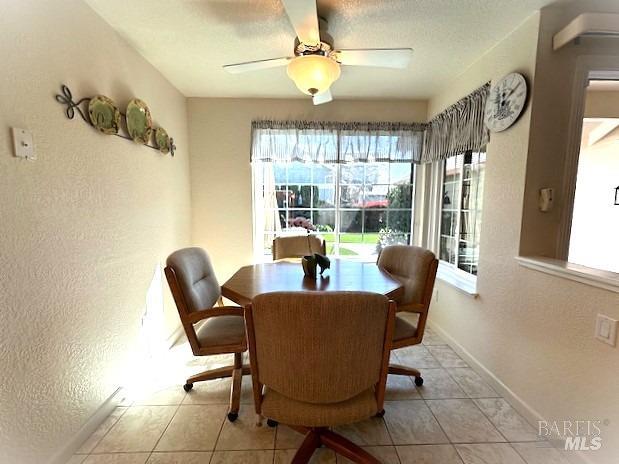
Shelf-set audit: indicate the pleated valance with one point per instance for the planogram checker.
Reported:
(336, 142)
(458, 129)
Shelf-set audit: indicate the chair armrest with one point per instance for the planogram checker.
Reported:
(418, 308)
(197, 316)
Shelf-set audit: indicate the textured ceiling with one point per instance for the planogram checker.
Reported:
(190, 40)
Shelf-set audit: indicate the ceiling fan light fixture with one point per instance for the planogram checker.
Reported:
(313, 74)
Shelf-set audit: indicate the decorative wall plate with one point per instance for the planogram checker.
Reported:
(162, 140)
(139, 122)
(104, 114)
(505, 102)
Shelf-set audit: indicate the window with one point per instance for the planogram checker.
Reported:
(356, 207)
(461, 205)
(595, 219)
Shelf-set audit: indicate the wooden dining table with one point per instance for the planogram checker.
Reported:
(288, 276)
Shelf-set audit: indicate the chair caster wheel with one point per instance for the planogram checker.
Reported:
(380, 413)
(232, 416)
(419, 381)
(187, 386)
(272, 423)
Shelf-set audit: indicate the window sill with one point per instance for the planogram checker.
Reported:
(462, 281)
(585, 275)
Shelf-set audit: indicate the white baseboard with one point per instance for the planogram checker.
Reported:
(64, 454)
(174, 336)
(525, 410)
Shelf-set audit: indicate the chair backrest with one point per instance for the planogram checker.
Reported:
(415, 268)
(320, 347)
(193, 285)
(297, 246)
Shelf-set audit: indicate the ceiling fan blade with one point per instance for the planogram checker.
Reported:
(238, 68)
(398, 58)
(304, 19)
(324, 97)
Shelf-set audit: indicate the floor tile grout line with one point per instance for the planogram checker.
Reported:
(119, 452)
(489, 420)
(275, 442)
(221, 427)
(165, 429)
(511, 445)
(468, 394)
(449, 375)
(437, 421)
(391, 438)
(515, 412)
(520, 454)
(468, 397)
(441, 364)
(108, 430)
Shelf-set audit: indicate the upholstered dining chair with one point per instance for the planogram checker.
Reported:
(196, 291)
(297, 246)
(415, 268)
(318, 360)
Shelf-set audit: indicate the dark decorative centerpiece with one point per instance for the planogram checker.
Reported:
(309, 266)
(311, 262)
(323, 262)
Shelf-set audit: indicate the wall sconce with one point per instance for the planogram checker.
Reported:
(617, 196)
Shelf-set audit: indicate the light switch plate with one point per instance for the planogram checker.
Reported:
(606, 329)
(23, 144)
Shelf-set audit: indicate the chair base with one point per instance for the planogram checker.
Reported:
(236, 371)
(317, 437)
(397, 369)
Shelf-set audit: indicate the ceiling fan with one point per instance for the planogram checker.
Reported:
(316, 64)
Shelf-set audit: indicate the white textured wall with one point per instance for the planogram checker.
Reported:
(220, 137)
(82, 229)
(532, 330)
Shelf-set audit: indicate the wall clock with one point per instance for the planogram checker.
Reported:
(505, 102)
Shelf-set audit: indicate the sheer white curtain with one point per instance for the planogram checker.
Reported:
(286, 141)
(333, 142)
(266, 214)
(381, 142)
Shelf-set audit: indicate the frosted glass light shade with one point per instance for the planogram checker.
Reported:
(313, 74)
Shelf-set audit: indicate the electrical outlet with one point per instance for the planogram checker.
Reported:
(606, 329)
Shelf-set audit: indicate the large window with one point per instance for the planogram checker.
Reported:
(461, 205)
(357, 207)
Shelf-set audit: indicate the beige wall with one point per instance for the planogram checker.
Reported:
(533, 331)
(602, 105)
(220, 136)
(82, 228)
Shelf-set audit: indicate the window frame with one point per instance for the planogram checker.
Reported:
(587, 68)
(258, 236)
(447, 272)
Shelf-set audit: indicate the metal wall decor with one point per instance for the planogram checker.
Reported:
(102, 114)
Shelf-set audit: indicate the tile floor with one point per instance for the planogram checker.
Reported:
(455, 418)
